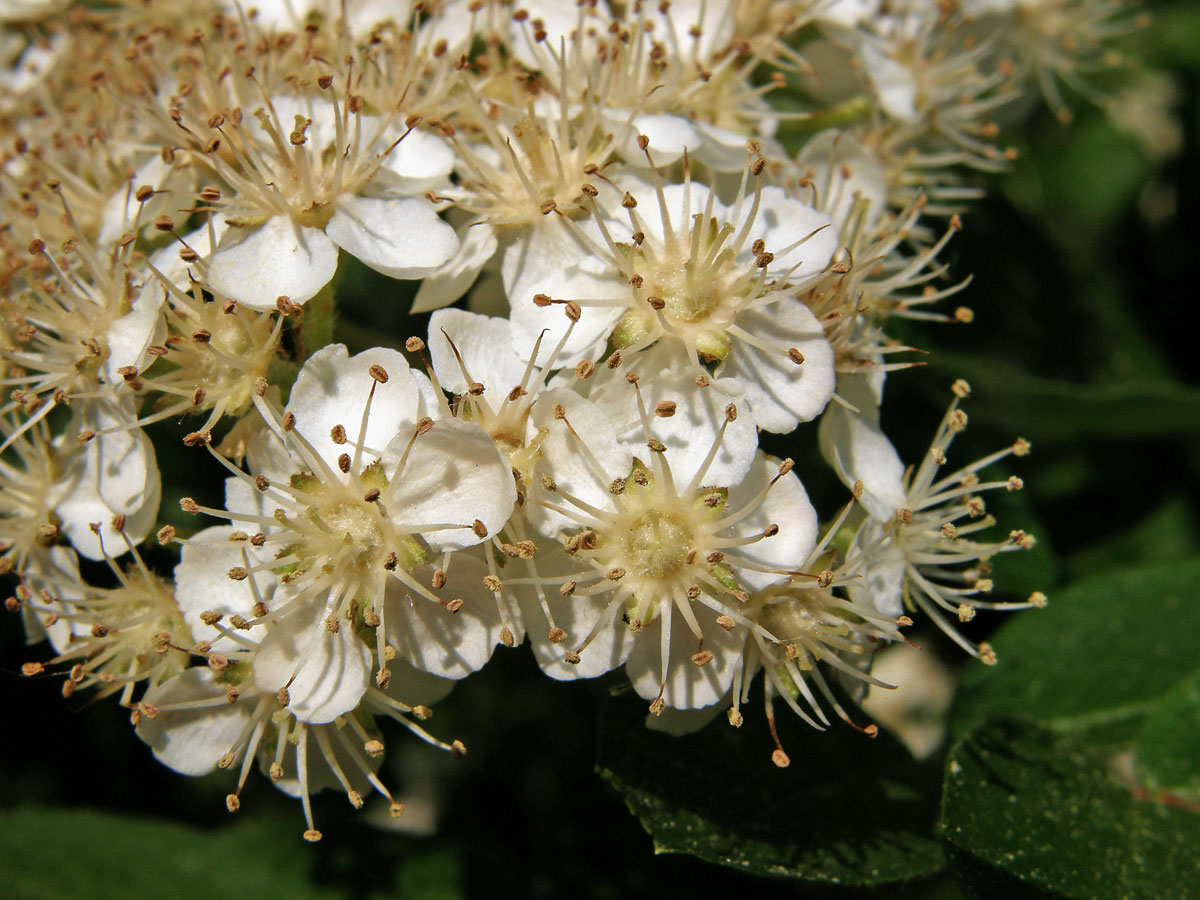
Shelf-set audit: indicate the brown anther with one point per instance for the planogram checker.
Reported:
(780, 759)
(629, 201)
(568, 588)
(557, 635)
(493, 583)
(657, 706)
(643, 142)
(573, 310)
(590, 190)
(379, 373)
(312, 835)
(726, 622)
(414, 345)
(424, 425)
(197, 438)
(166, 534)
(479, 528)
(202, 336)
(548, 207)
(383, 677)
(30, 669)
(188, 505)
(795, 355)
(584, 368)
(458, 749)
(656, 445)
(702, 658)
(238, 573)
(475, 388)
(439, 579)
(371, 496)
(965, 315)
(614, 360)
(164, 223)
(656, 303)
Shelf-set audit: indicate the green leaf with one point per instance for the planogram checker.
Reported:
(59, 854)
(1046, 810)
(68, 854)
(1103, 651)
(1166, 535)
(1167, 742)
(848, 810)
(1048, 409)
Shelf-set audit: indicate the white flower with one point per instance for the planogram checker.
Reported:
(917, 558)
(695, 280)
(656, 545)
(359, 494)
(346, 179)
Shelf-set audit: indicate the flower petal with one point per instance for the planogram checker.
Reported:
(256, 266)
(191, 741)
(435, 640)
(454, 475)
(403, 238)
(858, 450)
(688, 686)
(454, 278)
(485, 345)
(563, 460)
(326, 675)
(781, 393)
(332, 389)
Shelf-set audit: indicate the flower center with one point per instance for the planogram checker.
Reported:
(655, 545)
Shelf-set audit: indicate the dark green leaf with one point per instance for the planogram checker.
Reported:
(848, 809)
(1046, 810)
(1166, 535)
(55, 854)
(1103, 651)
(1047, 409)
(1167, 757)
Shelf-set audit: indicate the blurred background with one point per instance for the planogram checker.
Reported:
(1083, 258)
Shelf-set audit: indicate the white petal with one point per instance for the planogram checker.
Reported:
(802, 239)
(326, 674)
(669, 137)
(130, 335)
(453, 279)
(691, 431)
(688, 686)
(112, 474)
(123, 206)
(781, 393)
(576, 616)
(191, 741)
(434, 640)
(563, 459)
(882, 584)
(853, 444)
(895, 84)
(553, 262)
(721, 149)
(403, 238)
(256, 266)
(332, 389)
(202, 584)
(485, 345)
(454, 476)
(678, 722)
(786, 505)
(420, 162)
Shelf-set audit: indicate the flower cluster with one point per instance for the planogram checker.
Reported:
(647, 234)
